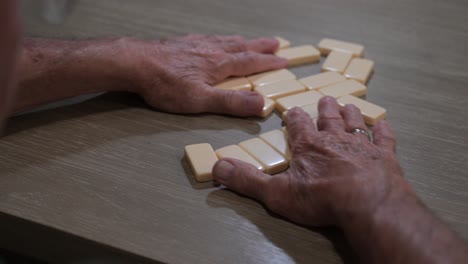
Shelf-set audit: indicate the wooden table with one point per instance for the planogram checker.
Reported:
(105, 179)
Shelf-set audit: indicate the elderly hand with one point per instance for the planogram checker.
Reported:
(9, 51)
(334, 174)
(177, 75)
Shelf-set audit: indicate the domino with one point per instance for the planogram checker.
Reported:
(321, 80)
(300, 99)
(360, 70)
(372, 113)
(283, 43)
(278, 140)
(326, 45)
(268, 107)
(271, 77)
(240, 83)
(299, 55)
(271, 160)
(351, 87)
(311, 110)
(337, 61)
(201, 159)
(280, 89)
(236, 152)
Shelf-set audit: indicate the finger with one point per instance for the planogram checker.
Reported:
(230, 44)
(330, 118)
(353, 119)
(241, 177)
(300, 128)
(237, 103)
(246, 63)
(384, 136)
(263, 45)
(235, 44)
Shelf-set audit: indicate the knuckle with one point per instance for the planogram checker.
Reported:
(302, 146)
(352, 108)
(295, 113)
(226, 100)
(239, 47)
(327, 100)
(216, 59)
(250, 57)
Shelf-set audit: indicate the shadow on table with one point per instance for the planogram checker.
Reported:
(191, 178)
(334, 235)
(109, 117)
(109, 102)
(23, 239)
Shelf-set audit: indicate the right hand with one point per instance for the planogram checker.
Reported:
(334, 175)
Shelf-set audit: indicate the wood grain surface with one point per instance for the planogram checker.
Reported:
(110, 170)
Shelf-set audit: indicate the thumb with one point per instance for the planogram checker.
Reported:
(241, 177)
(238, 103)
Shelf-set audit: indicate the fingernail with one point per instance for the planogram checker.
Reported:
(253, 94)
(223, 171)
(254, 102)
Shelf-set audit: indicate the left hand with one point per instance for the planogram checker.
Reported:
(176, 75)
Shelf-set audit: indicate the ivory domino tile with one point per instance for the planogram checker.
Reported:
(337, 61)
(268, 107)
(280, 89)
(311, 110)
(201, 158)
(283, 43)
(351, 87)
(300, 55)
(300, 99)
(372, 113)
(321, 80)
(360, 70)
(277, 139)
(326, 45)
(236, 83)
(270, 159)
(236, 152)
(271, 77)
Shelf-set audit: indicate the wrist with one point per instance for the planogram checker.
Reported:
(375, 231)
(365, 217)
(132, 60)
(111, 67)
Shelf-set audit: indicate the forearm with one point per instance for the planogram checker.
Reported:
(402, 230)
(9, 52)
(51, 70)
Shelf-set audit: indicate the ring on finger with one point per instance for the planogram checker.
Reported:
(362, 131)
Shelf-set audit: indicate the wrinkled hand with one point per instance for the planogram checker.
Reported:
(9, 51)
(334, 175)
(177, 75)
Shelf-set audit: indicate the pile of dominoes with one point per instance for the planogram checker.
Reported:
(344, 75)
